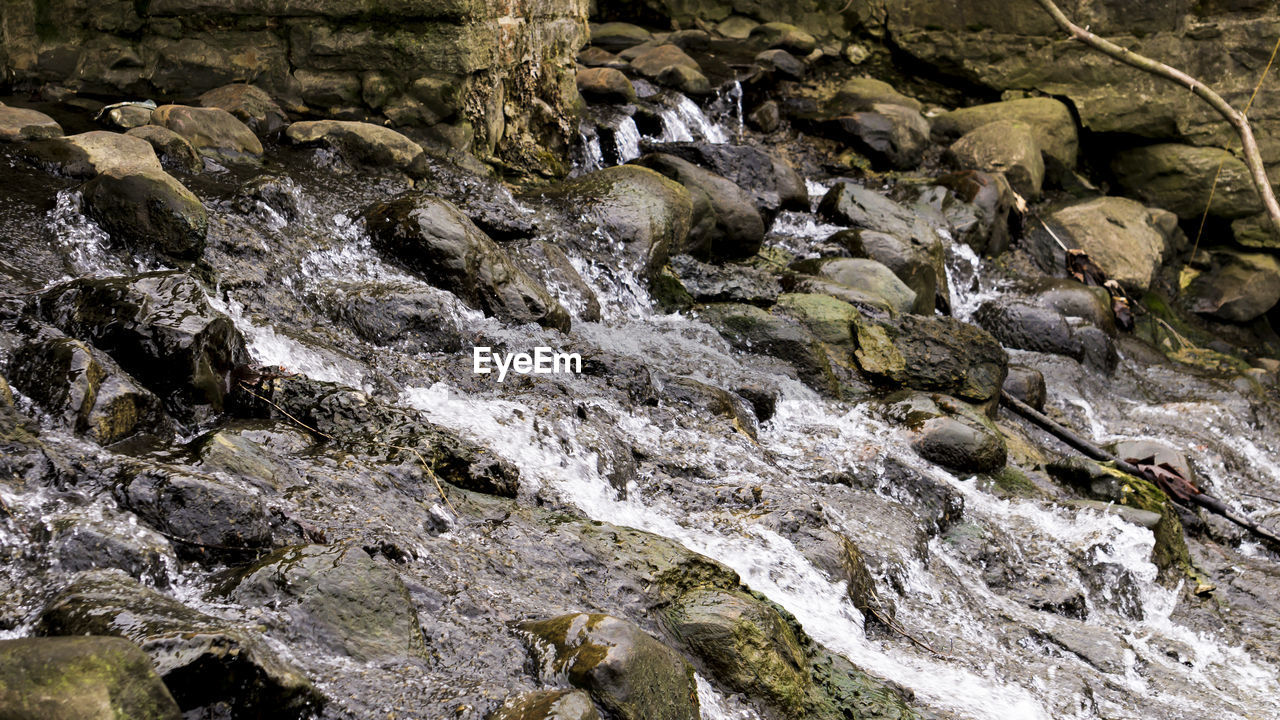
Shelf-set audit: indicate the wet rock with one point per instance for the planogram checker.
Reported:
(1004, 146)
(835, 555)
(627, 671)
(615, 36)
(646, 212)
(685, 79)
(258, 451)
(599, 57)
(249, 104)
(1103, 651)
(1142, 518)
(1026, 384)
(744, 644)
(891, 135)
(86, 391)
(950, 433)
(867, 277)
(1239, 287)
(712, 400)
(652, 62)
(210, 516)
(870, 306)
(90, 154)
(84, 540)
(917, 266)
(213, 132)
(1178, 178)
(692, 39)
(1028, 326)
(787, 37)
(750, 329)
(990, 199)
(933, 353)
(603, 84)
(81, 678)
(362, 145)
(782, 62)
(433, 238)
(173, 150)
(1122, 236)
(726, 224)
(769, 179)
(736, 27)
(830, 320)
(148, 209)
(1050, 122)
(726, 283)
(1134, 450)
(547, 705)
(210, 666)
(387, 313)
(1074, 299)
(160, 328)
(766, 117)
(337, 597)
(552, 267)
(19, 124)
(860, 94)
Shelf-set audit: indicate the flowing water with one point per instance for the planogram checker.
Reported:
(1129, 653)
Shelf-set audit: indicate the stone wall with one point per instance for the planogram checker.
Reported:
(492, 77)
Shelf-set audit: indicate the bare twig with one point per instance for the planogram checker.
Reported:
(1237, 119)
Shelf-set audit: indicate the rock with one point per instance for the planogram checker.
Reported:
(251, 105)
(750, 329)
(1136, 450)
(607, 85)
(1005, 146)
(920, 225)
(632, 675)
(646, 212)
(205, 661)
(173, 150)
(769, 179)
(127, 115)
(1026, 384)
(934, 354)
(599, 57)
(868, 277)
(1049, 120)
(1120, 235)
(1073, 299)
(830, 320)
(362, 144)
(213, 132)
(1029, 326)
(869, 305)
(745, 645)
(726, 283)
(1239, 287)
(80, 678)
(547, 705)
(1141, 518)
(615, 36)
(710, 400)
(787, 37)
(1178, 178)
(685, 79)
(257, 450)
(19, 124)
(891, 135)
(148, 209)
(781, 61)
(160, 328)
(691, 39)
(726, 224)
(918, 267)
(950, 433)
(84, 540)
(989, 198)
(736, 27)
(90, 154)
(861, 94)
(766, 117)
(86, 391)
(433, 238)
(337, 597)
(651, 61)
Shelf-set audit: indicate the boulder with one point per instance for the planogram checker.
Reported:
(867, 277)
(726, 283)
(647, 213)
(830, 320)
(1026, 384)
(685, 79)
(160, 328)
(603, 84)
(632, 675)
(669, 65)
(337, 597)
(766, 117)
(1178, 178)
(547, 705)
(87, 540)
(736, 27)
(1074, 299)
(363, 145)
(933, 353)
(782, 62)
(90, 154)
(431, 237)
(599, 57)
(1239, 287)
(549, 265)
(750, 329)
(871, 306)
(1050, 123)
(725, 223)
(1122, 236)
(1029, 326)
(785, 36)
(918, 267)
(1004, 146)
(251, 105)
(127, 115)
(173, 150)
(86, 391)
(80, 678)
(148, 209)
(950, 433)
(212, 131)
(860, 94)
(205, 661)
(615, 36)
(19, 124)
(894, 136)
(771, 181)
(745, 645)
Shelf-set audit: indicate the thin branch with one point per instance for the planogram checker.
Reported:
(1252, 157)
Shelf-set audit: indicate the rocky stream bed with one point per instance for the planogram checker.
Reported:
(247, 469)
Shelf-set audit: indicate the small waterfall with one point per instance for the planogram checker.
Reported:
(684, 121)
(626, 138)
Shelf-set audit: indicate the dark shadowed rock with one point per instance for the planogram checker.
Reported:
(726, 225)
(949, 433)
(150, 210)
(1026, 384)
(769, 179)
(726, 283)
(84, 540)
(1239, 287)
(750, 329)
(933, 353)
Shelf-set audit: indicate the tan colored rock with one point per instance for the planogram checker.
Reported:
(1120, 235)
(17, 124)
(1006, 146)
(213, 132)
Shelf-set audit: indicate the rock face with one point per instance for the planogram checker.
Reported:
(80, 678)
(432, 237)
(1178, 178)
(465, 71)
(626, 670)
(933, 353)
(1048, 120)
